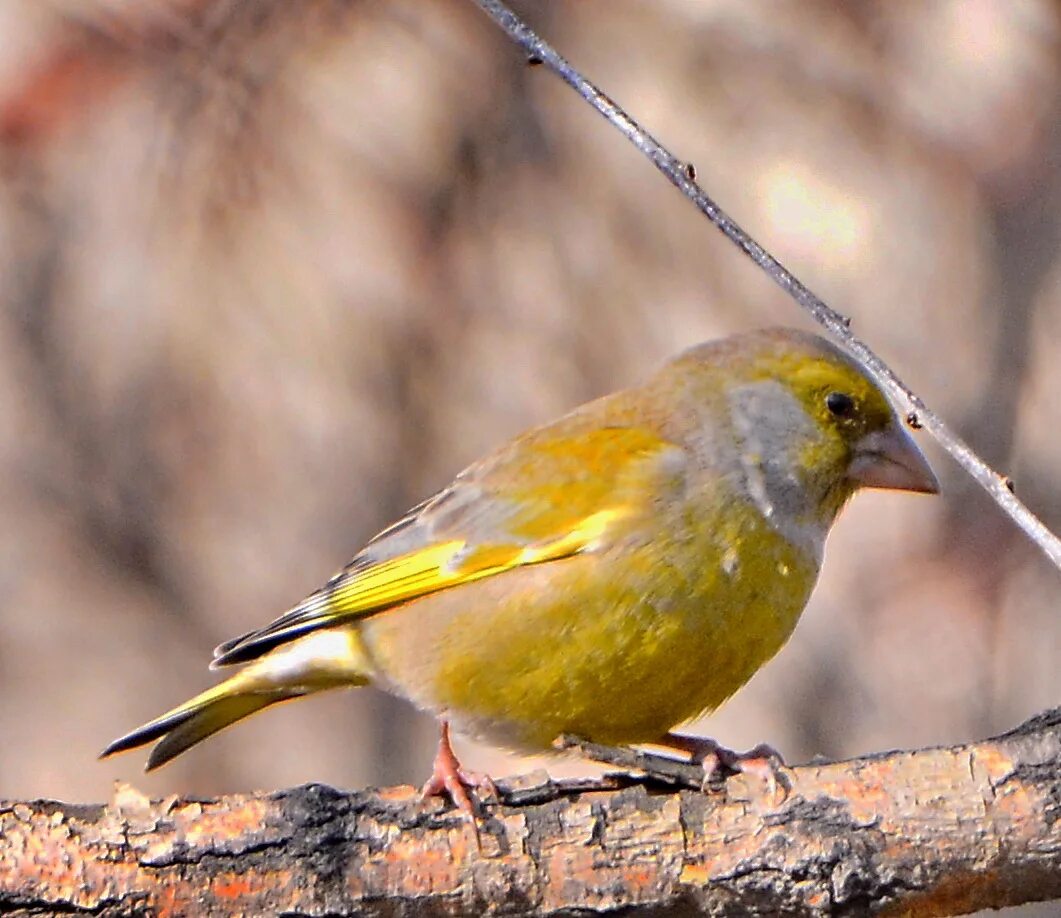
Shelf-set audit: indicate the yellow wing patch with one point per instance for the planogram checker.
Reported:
(553, 493)
(584, 536)
(449, 563)
(396, 580)
(364, 591)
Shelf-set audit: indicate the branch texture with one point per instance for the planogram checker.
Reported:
(933, 832)
(682, 175)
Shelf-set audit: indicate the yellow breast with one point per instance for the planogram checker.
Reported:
(618, 646)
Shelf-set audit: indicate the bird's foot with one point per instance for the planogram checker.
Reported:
(719, 762)
(448, 778)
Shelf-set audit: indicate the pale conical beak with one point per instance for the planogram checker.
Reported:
(890, 458)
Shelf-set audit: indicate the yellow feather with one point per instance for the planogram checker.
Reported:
(397, 580)
(446, 564)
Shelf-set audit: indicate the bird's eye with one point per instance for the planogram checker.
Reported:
(840, 404)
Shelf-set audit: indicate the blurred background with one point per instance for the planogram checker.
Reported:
(270, 273)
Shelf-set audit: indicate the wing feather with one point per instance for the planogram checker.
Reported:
(480, 526)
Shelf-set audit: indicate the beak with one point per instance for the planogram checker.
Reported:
(890, 458)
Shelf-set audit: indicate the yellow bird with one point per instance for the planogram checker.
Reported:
(610, 575)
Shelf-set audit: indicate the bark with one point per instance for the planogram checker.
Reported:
(931, 832)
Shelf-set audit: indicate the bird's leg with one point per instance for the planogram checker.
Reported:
(447, 777)
(763, 761)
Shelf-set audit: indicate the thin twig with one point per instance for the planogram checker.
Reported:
(680, 174)
(659, 767)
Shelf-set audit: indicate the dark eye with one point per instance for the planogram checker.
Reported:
(840, 404)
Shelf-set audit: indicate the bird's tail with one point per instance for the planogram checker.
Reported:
(322, 660)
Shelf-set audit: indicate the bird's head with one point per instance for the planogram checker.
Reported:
(809, 425)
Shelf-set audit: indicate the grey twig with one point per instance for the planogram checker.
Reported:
(660, 768)
(680, 173)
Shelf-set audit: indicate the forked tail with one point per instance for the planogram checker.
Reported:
(322, 660)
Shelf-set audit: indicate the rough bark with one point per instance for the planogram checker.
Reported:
(932, 832)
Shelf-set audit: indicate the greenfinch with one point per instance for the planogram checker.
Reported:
(610, 575)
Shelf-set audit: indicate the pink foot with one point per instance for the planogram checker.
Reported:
(448, 778)
(762, 761)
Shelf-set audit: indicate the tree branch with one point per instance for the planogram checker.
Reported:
(933, 832)
(682, 175)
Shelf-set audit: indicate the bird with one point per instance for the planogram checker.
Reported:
(610, 575)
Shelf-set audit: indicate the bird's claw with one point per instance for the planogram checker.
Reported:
(719, 762)
(457, 783)
(448, 778)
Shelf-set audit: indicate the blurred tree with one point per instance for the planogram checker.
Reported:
(270, 273)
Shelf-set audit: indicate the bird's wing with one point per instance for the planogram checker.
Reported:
(548, 495)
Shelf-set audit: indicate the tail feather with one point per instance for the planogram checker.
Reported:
(321, 661)
(148, 733)
(197, 719)
(208, 721)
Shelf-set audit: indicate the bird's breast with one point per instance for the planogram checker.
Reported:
(617, 646)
